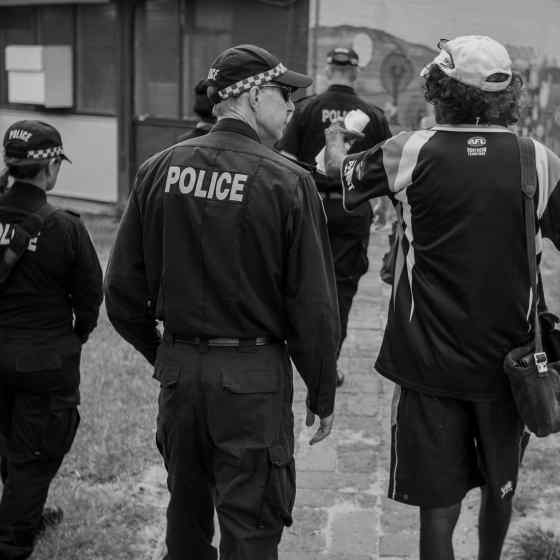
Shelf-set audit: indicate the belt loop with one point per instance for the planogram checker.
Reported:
(203, 346)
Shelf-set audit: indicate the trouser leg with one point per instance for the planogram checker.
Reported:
(345, 291)
(43, 428)
(190, 526)
(251, 424)
(349, 239)
(255, 503)
(23, 499)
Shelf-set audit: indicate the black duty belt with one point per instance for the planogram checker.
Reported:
(220, 342)
(330, 194)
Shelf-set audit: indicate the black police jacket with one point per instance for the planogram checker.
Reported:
(56, 286)
(223, 237)
(305, 135)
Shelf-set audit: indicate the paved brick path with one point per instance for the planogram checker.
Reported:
(341, 511)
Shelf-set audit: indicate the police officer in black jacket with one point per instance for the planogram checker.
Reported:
(225, 241)
(305, 138)
(50, 293)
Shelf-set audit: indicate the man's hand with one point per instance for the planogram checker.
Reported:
(337, 140)
(325, 426)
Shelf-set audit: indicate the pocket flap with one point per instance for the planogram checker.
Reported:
(38, 360)
(167, 374)
(279, 455)
(247, 382)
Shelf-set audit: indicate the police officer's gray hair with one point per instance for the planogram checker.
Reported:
(226, 107)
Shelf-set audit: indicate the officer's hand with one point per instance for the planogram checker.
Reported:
(325, 426)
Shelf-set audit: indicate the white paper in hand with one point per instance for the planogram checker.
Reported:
(355, 120)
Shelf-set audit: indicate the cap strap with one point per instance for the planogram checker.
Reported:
(247, 83)
(45, 154)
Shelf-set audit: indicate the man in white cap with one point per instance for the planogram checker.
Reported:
(452, 318)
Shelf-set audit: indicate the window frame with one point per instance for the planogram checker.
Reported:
(37, 33)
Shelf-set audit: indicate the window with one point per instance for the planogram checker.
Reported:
(96, 58)
(90, 29)
(175, 42)
(157, 79)
(17, 26)
(55, 25)
(208, 31)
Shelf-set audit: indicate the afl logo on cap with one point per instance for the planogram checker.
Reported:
(476, 141)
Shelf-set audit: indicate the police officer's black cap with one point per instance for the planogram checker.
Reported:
(342, 56)
(27, 142)
(239, 68)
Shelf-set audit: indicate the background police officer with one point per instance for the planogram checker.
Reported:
(305, 138)
(203, 109)
(50, 293)
(225, 241)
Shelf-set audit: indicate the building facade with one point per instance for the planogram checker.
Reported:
(128, 67)
(131, 73)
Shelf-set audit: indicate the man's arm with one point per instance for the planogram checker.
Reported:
(86, 285)
(385, 169)
(127, 297)
(310, 299)
(549, 198)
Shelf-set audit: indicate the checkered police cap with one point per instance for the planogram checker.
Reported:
(240, 68)
(28, 141)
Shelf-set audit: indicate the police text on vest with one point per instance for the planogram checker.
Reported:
(202, 183)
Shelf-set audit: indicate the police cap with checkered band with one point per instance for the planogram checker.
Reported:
(242, 67)
(27, 142)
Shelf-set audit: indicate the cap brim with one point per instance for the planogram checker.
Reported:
(294, 79)
(22, 161)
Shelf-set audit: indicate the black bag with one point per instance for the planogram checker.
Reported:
(534, 380)
(23, 233)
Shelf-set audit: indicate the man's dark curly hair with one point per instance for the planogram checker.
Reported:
(458, 103)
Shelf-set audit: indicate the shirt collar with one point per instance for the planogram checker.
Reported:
(472, 128)
(25, 196)
(237, 126)
(341, 88)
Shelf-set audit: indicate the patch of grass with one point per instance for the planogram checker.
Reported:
(104, 517)
(534, 543)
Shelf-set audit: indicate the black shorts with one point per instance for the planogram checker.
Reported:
(442, 447)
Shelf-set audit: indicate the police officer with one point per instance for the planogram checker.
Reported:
(225, 242)
(203, 109)
(50, 293)
(305, 138)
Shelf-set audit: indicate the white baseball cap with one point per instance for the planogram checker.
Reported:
(475, 60)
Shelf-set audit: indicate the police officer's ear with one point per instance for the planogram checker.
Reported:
(254, 96)
(52, 168)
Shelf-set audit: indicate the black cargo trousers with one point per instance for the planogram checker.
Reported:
(349, 240)
(225, 431)
(39, 394)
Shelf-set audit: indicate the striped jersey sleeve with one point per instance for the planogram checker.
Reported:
(384, 169)
(548, 204)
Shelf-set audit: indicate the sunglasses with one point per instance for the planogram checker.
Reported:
(284, 90)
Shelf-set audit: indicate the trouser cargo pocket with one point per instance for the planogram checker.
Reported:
(280, 488)
(43, 426)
